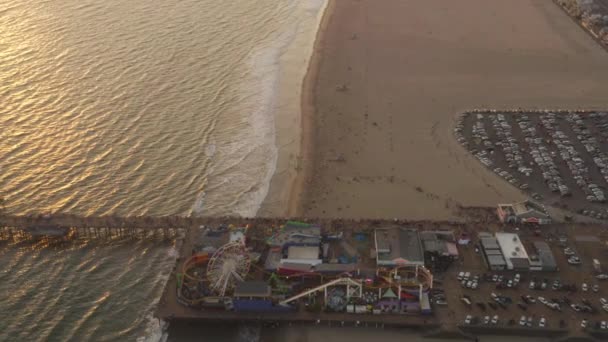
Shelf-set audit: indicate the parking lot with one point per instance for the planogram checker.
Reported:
(555, 298)
(559, 158)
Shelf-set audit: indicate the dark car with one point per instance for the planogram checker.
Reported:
(522, 306)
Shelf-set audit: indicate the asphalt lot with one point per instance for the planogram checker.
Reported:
(456, 310)
(559, 158)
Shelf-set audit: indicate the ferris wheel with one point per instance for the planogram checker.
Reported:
(229, 264)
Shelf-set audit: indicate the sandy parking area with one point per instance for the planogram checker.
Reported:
(392, 75)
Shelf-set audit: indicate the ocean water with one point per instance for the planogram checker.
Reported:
(137, 107)
(82, 290)
(133, 107)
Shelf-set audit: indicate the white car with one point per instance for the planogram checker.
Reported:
(542, 300)
(542, 323)
(603, 301)
(522, 321)
(532, 285)
(486, 320)
(584, 287)
(603, 325)
(595, 288)
(584, 323)
(460, 276)
(495, 319)
(602, 276)
(468, 319)
(467, 275)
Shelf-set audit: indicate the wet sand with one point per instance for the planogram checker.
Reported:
(388, 80)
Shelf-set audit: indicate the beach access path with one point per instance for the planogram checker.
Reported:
(390, 78)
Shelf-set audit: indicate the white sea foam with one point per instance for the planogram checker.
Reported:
(156, 330)
(266, 67)
(172, 252)
(210, 150)
(197, 207)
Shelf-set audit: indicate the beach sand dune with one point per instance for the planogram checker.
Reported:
(389, 78)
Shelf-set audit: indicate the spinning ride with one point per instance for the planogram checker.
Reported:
(228, 265)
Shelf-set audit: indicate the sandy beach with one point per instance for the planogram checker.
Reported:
(387, 80)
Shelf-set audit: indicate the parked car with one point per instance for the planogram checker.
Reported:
(468, 319)
(556, 285)
(495, 319)
(584, 323)
(584, 287)
(523, 321)
(542, 323)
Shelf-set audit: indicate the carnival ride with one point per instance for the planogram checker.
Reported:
(227, 266)
(407, 279)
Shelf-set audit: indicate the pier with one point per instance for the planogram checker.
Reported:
(444, 322)
(62, 225)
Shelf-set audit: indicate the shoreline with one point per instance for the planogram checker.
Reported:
(307, 114)
(292, 124)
